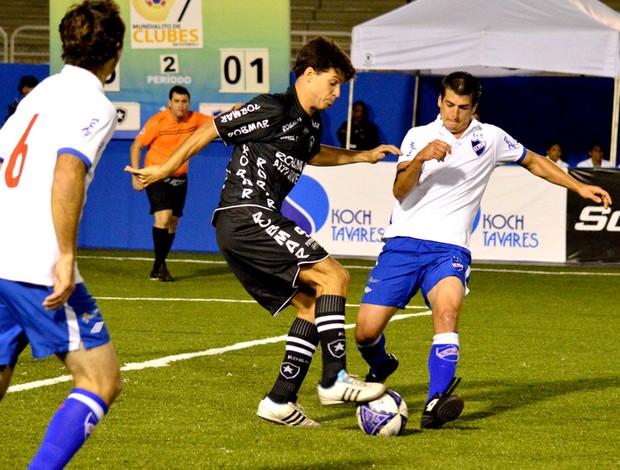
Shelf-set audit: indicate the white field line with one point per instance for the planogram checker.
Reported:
(488, 270)
(165, 361)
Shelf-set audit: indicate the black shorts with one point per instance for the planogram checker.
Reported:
(168, 194)
(265, 252)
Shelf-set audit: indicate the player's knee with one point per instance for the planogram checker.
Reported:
(340, 276)
(365, 333)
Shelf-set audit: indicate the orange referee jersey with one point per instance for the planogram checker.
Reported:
(162, 135)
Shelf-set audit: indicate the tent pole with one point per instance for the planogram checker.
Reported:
(613, 151)
(416, 90)
(350, 112)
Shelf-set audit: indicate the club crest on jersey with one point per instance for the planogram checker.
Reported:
(477, 144)
(337, 348)
(289, 370)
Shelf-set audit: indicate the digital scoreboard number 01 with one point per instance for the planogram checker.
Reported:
(244, 70)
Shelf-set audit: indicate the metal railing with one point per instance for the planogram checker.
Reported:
(26, 29)
(5, 44)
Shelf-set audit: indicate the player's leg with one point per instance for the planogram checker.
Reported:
(445, 299)
(280, 404)
(162, 241)
(442, 406)
(13, 340)
(331, 282)
(96, 375)
(371, 343)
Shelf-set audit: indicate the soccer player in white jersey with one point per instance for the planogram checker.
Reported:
(440, 180)
(49, 150)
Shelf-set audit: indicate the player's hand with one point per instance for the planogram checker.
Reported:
(136, 184)
(147, 175)
(435, 150)
(596, 194)
(64, 284)
(380, 152)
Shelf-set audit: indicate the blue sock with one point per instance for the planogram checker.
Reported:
(68, 430)
(375, 354)
(442, 362)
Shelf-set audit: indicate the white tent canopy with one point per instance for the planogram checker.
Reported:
(494, 38)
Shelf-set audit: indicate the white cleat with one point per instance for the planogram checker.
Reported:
(348, 388)
(287, 414)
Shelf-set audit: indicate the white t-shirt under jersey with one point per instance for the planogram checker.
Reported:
(443, 204)
(66, 113)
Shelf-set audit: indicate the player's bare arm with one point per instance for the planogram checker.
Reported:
(546, 169)
(333, 156)
(202, 137)
(135, 152)
(67, 199)
(408, 173)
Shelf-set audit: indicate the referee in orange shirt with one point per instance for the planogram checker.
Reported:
(162, 134)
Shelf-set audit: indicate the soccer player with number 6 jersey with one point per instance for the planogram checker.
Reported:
(48, 153)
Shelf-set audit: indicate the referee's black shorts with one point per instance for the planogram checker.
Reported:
(265, 251)
(167, 194)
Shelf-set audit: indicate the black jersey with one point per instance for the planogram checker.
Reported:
(274, 138)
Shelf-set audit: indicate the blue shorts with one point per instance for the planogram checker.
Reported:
(406, 265)
(23, 320)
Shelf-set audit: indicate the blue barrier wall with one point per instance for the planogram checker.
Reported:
(576, 110)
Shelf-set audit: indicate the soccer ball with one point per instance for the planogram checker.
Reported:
(385, 416)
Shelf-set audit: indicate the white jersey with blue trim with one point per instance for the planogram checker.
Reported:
(443, 204)
(67, 113)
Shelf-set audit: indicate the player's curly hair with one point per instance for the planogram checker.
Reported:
(323, 54)
(91, 34)
(463, 84)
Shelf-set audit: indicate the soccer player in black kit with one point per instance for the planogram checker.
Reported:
(275, 136)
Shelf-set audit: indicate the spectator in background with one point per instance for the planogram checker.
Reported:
(364, 134)
(26, 85)
(595, 152)
(554, 151)
(162, 134)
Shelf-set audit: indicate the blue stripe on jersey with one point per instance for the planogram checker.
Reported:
(76, 153)
(522, 156)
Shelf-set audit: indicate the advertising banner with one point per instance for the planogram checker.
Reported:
(345, 208)
(593, 232)
(223, 52)
(521, 218)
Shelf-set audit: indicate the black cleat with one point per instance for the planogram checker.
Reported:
(442, 407)
(161, 274)
(380, 377)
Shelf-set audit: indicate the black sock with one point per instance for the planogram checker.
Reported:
(329, 314)
(160, 242)
(301, 344)
(169, 242)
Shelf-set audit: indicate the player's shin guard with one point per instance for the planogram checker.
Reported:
(442, 362)
(329, 315)
(301, 344)
(68, 430)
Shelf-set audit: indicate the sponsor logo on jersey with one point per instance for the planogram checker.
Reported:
(511, 145)
(250, 128)
(87, 130)
(316, 125)
(457, 263)
(290, 125)
(412, 147)
(250, 108)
